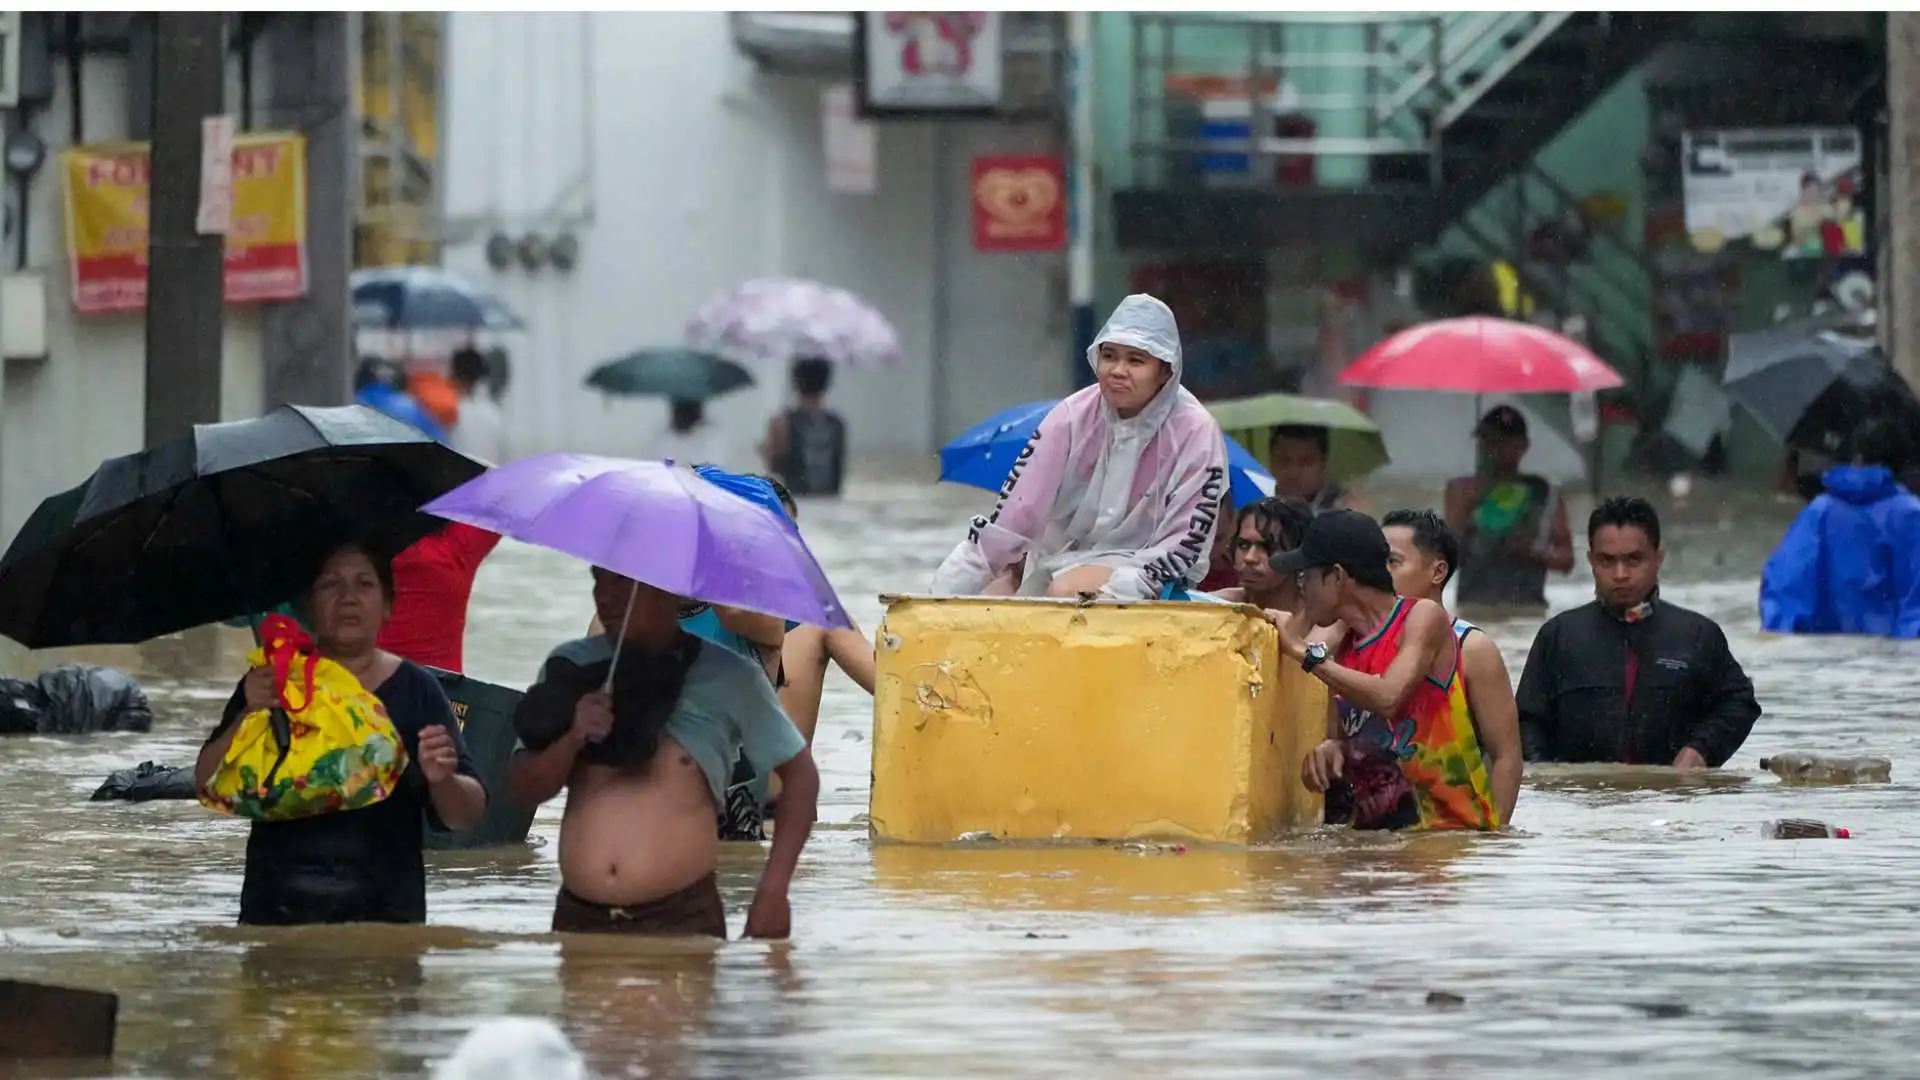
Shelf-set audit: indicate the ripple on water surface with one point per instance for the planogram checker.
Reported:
(1635, 925)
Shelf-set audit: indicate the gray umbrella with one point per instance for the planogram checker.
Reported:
(1777, 374)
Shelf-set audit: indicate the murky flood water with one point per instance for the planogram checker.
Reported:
(1635, 925)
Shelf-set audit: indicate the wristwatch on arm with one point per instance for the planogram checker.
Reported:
(1315, 655)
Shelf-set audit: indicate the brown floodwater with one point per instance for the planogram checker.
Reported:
(1634, 924)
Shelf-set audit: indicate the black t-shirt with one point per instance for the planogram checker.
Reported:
(356, 865)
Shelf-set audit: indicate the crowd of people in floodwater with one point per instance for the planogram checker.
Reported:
(701, 733)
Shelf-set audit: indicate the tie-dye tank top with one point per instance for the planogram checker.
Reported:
(1421, 768)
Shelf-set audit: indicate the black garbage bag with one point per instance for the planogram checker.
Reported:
(145, 782)
(87, 697)
(73, 699)
(21, 706)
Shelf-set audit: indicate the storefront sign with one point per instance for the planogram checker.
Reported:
(928, 63)
(105, 196)
(1790, 190)
(1019, 203)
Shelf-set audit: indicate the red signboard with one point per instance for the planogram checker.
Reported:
(1019, 203)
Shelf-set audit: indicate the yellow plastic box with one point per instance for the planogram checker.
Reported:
(1056, 720)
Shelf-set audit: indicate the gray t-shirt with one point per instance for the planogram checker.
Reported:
(726, 708)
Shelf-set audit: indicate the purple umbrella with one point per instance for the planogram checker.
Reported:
(654, 522)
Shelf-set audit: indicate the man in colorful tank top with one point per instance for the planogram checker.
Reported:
(1400, 737)
(1423, 555)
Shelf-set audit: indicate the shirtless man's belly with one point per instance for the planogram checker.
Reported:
(637, 849)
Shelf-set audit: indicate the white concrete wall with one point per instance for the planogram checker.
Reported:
(60, 417)
(705, 173)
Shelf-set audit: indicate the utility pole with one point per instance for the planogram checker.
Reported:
(185, 278)
(1900, 284)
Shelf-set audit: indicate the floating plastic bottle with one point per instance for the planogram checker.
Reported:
(1803, 829)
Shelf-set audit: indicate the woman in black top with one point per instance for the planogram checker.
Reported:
(358, 865)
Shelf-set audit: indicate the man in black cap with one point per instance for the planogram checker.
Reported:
(1512, 525)
(1400, 749)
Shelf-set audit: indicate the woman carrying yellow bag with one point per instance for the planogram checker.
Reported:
(338, 816)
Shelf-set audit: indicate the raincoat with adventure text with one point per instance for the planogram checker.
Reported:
(1139, 495)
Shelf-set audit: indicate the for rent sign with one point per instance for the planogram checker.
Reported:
(105, 194)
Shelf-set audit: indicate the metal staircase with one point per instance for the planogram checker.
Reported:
(1423, 125)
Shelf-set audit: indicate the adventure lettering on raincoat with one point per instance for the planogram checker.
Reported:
(1140, 495)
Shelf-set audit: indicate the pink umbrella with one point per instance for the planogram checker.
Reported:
(1481, 355)
(779, 320)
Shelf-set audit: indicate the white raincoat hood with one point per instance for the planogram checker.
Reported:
(1140, 495)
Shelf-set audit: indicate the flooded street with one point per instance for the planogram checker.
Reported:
(1633, 925)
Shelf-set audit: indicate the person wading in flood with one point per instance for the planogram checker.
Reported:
(1118, 493)
(1400, 750)
(1297, 457)
(1422, 557)
(806, 446)
(646, 769)
(1261, 531)
(1512, 525)
(1630, 677)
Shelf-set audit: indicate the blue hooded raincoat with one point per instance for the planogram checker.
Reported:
(1850, 563)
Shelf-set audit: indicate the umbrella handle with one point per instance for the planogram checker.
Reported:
(614, 665)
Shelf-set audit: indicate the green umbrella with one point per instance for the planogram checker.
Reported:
(674, 372)
(1354, 447)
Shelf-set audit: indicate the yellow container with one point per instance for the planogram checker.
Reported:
(1055, 720)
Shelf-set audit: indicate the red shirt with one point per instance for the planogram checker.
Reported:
(432, 581)
(1219, 577)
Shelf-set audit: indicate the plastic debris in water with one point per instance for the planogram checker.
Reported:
(1804, 829)
(980, 837)
(513, 1048)
(1799, 767)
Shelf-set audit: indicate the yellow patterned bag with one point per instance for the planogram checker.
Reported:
(326, 745)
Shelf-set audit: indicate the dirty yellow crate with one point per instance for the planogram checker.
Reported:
(1052, 720)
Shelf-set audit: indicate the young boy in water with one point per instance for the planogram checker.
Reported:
(1423, 553)
(638, 849)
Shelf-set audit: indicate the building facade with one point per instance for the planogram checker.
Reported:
(681, 165)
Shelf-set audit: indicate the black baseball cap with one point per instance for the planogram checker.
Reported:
(1502, 420)
(1348, 539)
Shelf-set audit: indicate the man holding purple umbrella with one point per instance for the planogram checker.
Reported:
(642, 725)
(647, 764)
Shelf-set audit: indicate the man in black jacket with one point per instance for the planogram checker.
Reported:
(1629, 677)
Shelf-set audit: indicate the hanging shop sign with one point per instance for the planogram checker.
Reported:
(105, 206)
(1019, 203)
(1791, 190)
(928, 63)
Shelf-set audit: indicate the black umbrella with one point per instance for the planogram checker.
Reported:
(1778, 374)
(228, 521)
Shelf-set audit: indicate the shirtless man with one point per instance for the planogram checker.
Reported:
(638, 851)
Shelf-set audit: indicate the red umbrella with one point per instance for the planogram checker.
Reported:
(1481, 355)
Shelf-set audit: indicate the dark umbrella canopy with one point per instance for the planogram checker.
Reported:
(1778, 374)
(677, 373)
(425, 298)
(231, 520)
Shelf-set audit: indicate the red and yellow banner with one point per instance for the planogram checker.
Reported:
(105, 194)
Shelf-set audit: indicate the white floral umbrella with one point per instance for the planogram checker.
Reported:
(779, 320)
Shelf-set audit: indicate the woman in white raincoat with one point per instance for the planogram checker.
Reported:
(1118, 493)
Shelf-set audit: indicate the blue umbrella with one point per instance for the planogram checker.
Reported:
(981, 456)
(424, 298)
(402, 406)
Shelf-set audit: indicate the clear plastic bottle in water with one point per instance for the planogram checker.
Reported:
(1804, 829)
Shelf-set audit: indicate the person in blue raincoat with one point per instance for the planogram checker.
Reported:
(1850, 563)
(381, 385)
